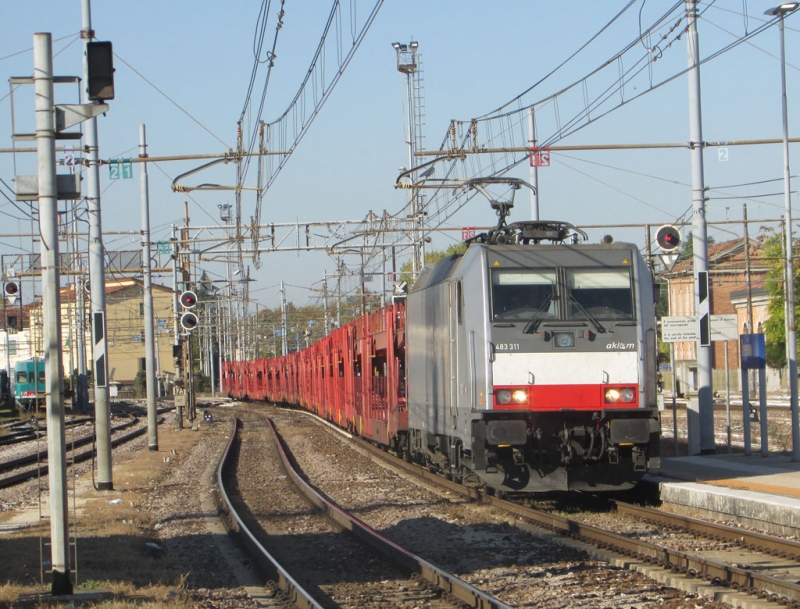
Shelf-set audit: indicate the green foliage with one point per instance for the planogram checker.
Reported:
(140, 384)
(687, 246)
(202, 383)
(431, 258)
(774, 328)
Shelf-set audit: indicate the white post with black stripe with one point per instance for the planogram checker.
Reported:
(97, 279)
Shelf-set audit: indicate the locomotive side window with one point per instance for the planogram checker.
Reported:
(22, 378)
(600, 294)
(519, 294)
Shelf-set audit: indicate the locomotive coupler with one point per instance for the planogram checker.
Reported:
(639, 460)
(491, 462)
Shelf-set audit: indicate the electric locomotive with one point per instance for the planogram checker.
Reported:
(523, 366)
(533, 367)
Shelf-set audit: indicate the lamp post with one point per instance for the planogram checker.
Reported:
(781, 11)
(407, 63)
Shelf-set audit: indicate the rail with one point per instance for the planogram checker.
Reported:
(735, 577)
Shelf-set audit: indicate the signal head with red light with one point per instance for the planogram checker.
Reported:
(188, 299)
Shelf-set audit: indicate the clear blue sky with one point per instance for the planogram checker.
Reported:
(476, 56)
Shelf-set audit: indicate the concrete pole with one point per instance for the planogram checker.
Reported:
(149, 331)
(703, 418)
(51, 312)
(97, 281)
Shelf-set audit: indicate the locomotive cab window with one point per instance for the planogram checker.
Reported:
(600, 294)
(521, 295)
(22, 378)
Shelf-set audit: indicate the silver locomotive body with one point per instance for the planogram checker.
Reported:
(533, 367)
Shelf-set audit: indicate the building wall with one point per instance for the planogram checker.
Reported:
(125, 330)
(722, 285)
(125, 326)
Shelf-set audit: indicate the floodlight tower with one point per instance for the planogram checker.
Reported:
(408, 64)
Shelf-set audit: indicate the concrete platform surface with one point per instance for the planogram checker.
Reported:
(756, 491)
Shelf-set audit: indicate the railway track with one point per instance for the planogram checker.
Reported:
(24, 431)
(312, 563)
(18, 470)
(740, 561)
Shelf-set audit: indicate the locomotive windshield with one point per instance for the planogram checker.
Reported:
(566, 294)
(519, 294)
(599, 294)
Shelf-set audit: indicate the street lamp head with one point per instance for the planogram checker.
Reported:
(782, 9)
(406, 57)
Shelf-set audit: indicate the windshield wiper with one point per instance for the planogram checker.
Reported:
(540, 312)
(597, 325)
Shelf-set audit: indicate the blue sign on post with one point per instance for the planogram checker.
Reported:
(753, 349)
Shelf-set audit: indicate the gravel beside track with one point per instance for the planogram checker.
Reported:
(481, 547)
(334, 567)
(491, 551)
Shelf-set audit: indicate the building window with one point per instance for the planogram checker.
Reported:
(143, 364)
(141, 309)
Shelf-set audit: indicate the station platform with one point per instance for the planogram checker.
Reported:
(762, 492)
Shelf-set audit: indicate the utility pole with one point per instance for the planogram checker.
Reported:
(97, 279)
(407, 63)
(149, 332)
(51, 312)
(701, 421)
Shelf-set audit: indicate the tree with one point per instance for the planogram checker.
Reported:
(775, 326)
(431, 258)
(687, 246)
(140, 384)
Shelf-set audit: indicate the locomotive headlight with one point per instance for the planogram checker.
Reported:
(619, 395)
(511, 396)
(520, 396)
(564, 340)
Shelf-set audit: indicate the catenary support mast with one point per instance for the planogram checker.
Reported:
(701, 423)
(51, 311)
(97, 280)
(147, 296)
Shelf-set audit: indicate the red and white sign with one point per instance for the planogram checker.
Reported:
(467, 232)
(540, 157)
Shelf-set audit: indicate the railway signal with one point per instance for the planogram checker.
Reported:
(189, 321)
(188, 299)
(11, 289)
(668, 238)
(100, 64)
